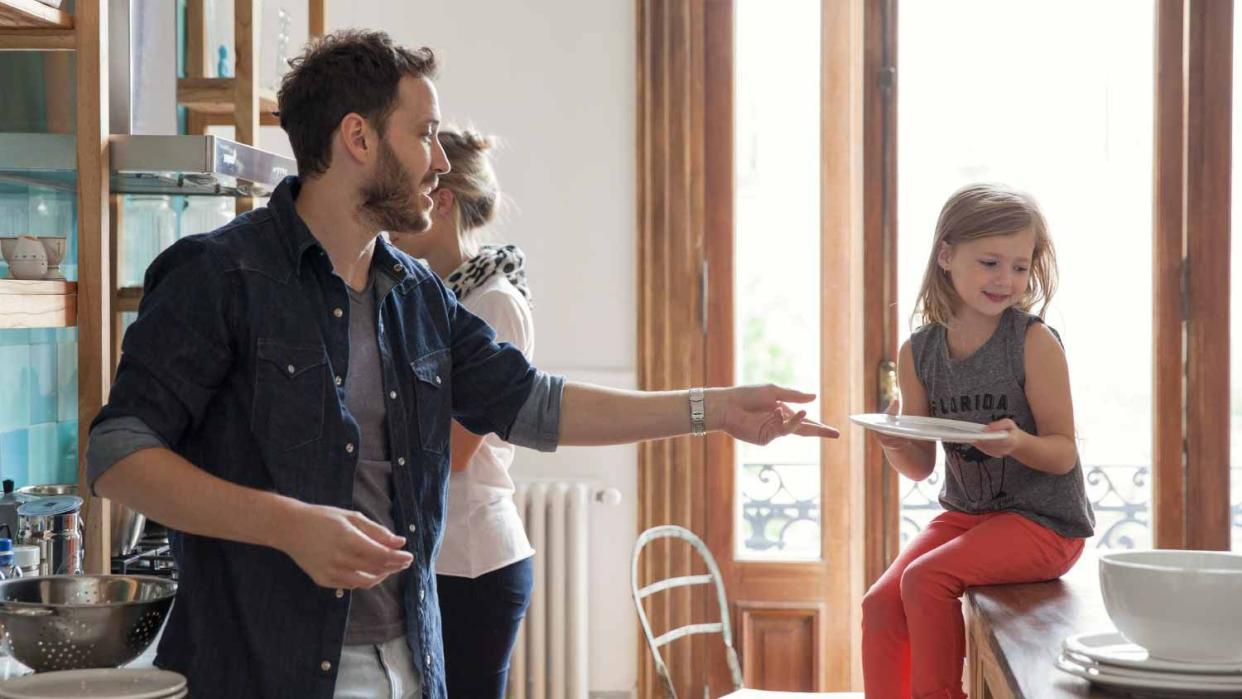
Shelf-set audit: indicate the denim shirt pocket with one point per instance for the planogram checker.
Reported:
(288, 394)
(434, 403)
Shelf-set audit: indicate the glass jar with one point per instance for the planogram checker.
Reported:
(205, 214)
(147, 227)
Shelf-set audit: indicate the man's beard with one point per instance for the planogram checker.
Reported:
(389, 201)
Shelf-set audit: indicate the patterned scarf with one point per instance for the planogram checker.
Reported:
(491, 260)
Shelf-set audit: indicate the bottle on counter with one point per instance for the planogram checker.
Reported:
(8, 569)
(9, 502)
(26, 558)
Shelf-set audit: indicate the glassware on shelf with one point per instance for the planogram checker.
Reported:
(147, 227)
(205, 214)
(51, 221)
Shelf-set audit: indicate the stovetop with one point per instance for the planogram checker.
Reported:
(150, 557)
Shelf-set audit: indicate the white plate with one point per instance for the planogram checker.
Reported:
(1186, 683)
(107, 683)
(1229, 679)
(1113, 649)
(927, 428)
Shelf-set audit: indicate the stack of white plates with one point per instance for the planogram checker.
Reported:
(1109, 660)
(109, 683)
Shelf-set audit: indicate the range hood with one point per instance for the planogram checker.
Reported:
(142, 164)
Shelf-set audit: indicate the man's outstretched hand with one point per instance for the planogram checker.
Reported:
(759, 414)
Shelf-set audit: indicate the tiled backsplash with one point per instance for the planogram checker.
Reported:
(39, 405)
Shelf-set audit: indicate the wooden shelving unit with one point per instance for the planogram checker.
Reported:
(40, 303)
(93, 304)
(27, 25)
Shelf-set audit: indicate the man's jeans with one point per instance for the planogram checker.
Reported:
(385, 670)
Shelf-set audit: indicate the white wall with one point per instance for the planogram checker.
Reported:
(555, 79)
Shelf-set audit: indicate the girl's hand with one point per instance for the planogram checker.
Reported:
(890, 442)
(1002, 447)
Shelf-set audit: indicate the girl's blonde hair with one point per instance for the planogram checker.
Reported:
(471, 179)
(982, 211)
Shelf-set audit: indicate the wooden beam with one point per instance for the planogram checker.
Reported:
(246, 79)
(37, 39)
(1168, 233)
(843, 299)
(881, 509)
(195, 39)
(317, 18)
(94, 269)
(1209, 91)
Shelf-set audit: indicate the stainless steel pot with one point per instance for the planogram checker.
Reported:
(126, 525)
(54, 524)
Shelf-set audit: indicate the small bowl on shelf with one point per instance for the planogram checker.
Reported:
(25, 256)
(54, 246)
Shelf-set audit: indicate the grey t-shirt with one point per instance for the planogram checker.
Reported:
(990, 385)
(375, 614)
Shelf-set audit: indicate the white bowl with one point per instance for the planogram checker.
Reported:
(27, 259)
(1179, 605)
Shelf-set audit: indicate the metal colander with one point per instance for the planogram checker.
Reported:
(67, 622)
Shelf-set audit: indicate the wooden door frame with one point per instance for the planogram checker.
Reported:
(1192, 172)
(685, 134)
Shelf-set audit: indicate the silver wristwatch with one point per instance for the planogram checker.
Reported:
(697, 426)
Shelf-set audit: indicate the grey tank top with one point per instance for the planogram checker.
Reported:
(990, 385)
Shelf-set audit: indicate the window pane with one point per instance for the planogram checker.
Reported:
(1054, 98)
(776, 288)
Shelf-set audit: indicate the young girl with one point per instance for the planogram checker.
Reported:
(1016, 509)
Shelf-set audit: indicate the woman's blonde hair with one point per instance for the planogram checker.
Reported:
(982, 211)
(472, 180)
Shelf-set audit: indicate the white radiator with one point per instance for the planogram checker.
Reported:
(550, 657)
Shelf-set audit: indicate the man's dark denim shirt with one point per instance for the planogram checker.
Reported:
(236, 362)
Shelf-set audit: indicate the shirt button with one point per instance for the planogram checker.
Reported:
(392, 395)
(339, 381)
(413, 528)
(422, 594)
(400, 460)
(325, 666)
(340, 593)
(337, 312)
(349, 448)
(290, 369)
(428, 659)
(398, 268)
(437, 380)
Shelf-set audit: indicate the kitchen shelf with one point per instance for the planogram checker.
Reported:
(38, 303)
(215, 97)
(30, 14)
(188, 165)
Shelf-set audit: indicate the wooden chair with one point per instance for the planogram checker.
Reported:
(712, 577)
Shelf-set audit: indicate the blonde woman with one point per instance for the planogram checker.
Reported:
(1016, 508)
(484, 570)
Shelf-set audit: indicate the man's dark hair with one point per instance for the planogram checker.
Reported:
(348, 71)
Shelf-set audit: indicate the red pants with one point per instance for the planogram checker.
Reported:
(914, 640)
